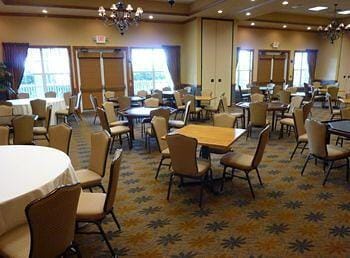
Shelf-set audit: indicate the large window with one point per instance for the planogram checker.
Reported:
(244, 71)
(150, 70)
(301, 69)
(46, 69)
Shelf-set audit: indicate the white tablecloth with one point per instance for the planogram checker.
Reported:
(28, 173)
(22, 106)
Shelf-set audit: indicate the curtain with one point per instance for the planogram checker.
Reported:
(14, 56)
(173, 54)
(311, 59)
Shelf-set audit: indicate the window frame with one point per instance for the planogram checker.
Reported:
(251, 76)
(301, 70)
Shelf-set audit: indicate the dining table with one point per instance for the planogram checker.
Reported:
(134, 100)
(339, 128)
(29, 173)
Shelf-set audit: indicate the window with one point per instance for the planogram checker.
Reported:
(244, 71)
(301, 69)
(46, 69)
(150, 69)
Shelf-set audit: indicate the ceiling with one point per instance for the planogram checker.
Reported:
(264, 13)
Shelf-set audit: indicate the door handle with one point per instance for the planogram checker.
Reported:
(219, 80)
(212, 80)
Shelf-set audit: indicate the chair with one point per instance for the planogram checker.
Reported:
(115, 131)
(157, 94)
(255, 90)
(178, 102)
(50, 94)
(151, 102)
(319, 149)
(4, 135)
(77, 108)
(60, 136)
(23, 95)
(292, 90)
(287, 117)
(23, 130)
(193, 109)
(243, 96)
(333, 113)
(257, 97)
(245, 162)
(206, 93)
(184, 162)
(94, 104)
(66, 97)
(345, 115)
(142, 93)
(66, 113)
(181, 123)
(160, 129)
(284, 97)
(93, 175)
(94, 207)
(332, 93)
(124, 102)
(258, 113)
(43, 130)
(299, 129)
(161, 112)
(109, 95)
(39, 108)
(111, 116)
(275, 92)
(210, 110)
(5, 103)
(51, 221)
(6, 110)
(238, 115)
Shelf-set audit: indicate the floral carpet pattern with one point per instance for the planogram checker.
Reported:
(292, 215)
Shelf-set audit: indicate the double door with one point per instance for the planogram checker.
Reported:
(344, 64)
(272, 66)
(101, 70)
(217, 57)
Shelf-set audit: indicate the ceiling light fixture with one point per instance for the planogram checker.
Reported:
(171, 2)
(120, 16)
(284, 26)
(220, 11)
(335, 29)
(150, 17)
(344, 12)
(309, 28)
(285, 3)
(252, 24)
(44, 11)
(247, 13)
(318, 8)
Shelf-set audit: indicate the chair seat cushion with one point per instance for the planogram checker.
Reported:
(237, 160)
(303, 138)
(335, 152)
(88, 178)
(219, 150)
(176, 123)
(287, 121)
(90, 206)
(336, 112)
(166, 153)
(63, 112)
(15, 243)
(39, 130)
(118, 123)
(149, 131)
(203, 166)
(115, 130)
(237, 115)
(287, 115)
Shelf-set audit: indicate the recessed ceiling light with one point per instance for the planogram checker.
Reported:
(151, 17)
(285, 2)
(309, 28)
(284, 26)
(44, 11)
(252, 24)
(220, 11)
(248, 13)
(252, 0)
(345, 12)
(318, 8)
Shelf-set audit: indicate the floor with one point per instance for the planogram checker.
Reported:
(292, 215)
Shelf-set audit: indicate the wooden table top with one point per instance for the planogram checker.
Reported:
(143, 111)
(204, 98)
(271, 106)
(340, 127)
(211, 136)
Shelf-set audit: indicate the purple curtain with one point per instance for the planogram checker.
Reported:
(173, 54)
(14, 55)
(312, 59)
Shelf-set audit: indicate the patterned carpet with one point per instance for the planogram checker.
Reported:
(292, 216)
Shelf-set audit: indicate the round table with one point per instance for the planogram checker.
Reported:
(23, 107)
(28, 173)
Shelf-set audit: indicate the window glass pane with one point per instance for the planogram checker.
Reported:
(296, 77)
(33, 61)
(141, 59)
(298, 60)
(301, 69)
(245, 68)
(56, 60)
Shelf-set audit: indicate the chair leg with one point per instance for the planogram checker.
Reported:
(201, 193)
(160, 164)
(106, 239)
(95, 118)
(170, 184)
(116, 221)
(295, 149)
(328, 172)
(302, 150)
(281, 131)
(250, 184)
(305, 164)
(102, 188)
(223, 179)
(257, 172)
(112, 143)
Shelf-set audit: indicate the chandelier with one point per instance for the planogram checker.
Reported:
(335, 29)
(120, 16)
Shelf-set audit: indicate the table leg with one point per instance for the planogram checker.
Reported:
(273, 120)
(244, 123)
(131, 127)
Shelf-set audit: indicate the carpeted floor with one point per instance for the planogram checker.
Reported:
(292, 216)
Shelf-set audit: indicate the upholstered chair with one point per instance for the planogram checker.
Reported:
(111, 115)
(275, 92)
(109, 95)
(194, 111)
(284, 97)
(23, 130)
(94, 105)
(299, 130)
(6, 110)
(177, 124)
(151, 102)
(142, 93)
(124, 102)
(258, 114)
(44, 130)
(333, 113)
(4, 135)
(60, 136)
(39, 108)
(68, 112)
(255, 90)
(257, 97)
(148, 131)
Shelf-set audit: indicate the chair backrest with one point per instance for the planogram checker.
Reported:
(284, 96)
(333, 92)
(93, 101)
(142, 93)
(276, 90)
(113, 181)
(307, 109)
(292, 90)
(162, 112)
(110, 112)
(263, 140)
(100, 142)
(158, 95)
(316, 84)
(5, 103)
(192, 99)
(109, 94)
(78, 102)
(72, 102)
(258, 113)
(23, 130)
(124, 102)
(52, 220)
(103, 119)
(295, 103)
(317, 137)
(38, 107)
(4, 135)
(188, 89)
(60, 136)
(183, 154)
(224, 120)
(151, 102)
(160, 129)
(6, 110)
(345, 113)
(299, 122)
(178, 100)
(208, 93)
(224, 103)
(66, 97)
(48, 117)
(23, 95)
(50, 94)
(257, 97)
(255, 90)
(187, 112)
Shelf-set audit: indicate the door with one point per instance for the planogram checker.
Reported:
(272, 66)
(115, 72)
(344, 64)
(279, 69)
(264, 69)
